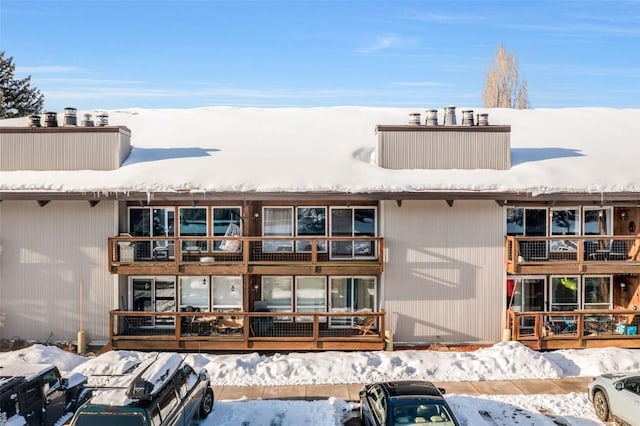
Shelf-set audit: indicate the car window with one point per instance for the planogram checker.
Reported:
(633, 385)
(168, 402)
(186, 380)
(378, 403)
(32, 395)
(50, 382)
(155, 416)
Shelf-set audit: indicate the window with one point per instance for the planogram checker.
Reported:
(277, 291)
(311, 296)
(597, 292)
(564, 293)
(152, 222)
(194, 291)
(564, 221)
(311, 222)
(168, 403)
(193, 223)
(353, 222)
(227, 293)
(351, 294)
(226, 221)
(186, 379)
(529, 222)
(277, 222)
(598, 221)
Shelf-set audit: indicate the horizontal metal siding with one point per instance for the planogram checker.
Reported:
(444, 271)
(46, 253)
(63, 151)
(444, 150)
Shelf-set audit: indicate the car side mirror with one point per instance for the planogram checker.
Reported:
(64, 383)
(619, 386)
(442, 390)
(362, 393)
(203, 375)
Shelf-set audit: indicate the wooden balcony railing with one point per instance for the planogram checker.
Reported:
(242, 254)
(575, 329)
(360, 330)
(573, 254)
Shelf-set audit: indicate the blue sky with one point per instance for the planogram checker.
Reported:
(112, 54)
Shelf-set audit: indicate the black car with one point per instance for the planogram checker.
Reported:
(37, 394)
(404, 403)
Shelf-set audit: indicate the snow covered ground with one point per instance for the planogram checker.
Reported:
(503, 361)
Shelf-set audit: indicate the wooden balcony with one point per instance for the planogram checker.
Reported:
(576, 329)
(251, 331)
(573, 255)
(245, 255)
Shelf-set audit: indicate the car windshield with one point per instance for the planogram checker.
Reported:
(90, 419)
(420, 412)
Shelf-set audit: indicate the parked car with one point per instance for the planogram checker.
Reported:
(404, 403)
(162, 391)
(37, 394)
(616, 396)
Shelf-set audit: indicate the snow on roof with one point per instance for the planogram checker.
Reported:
(332, 149)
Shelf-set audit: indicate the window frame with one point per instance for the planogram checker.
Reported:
(312, 307)
(274, 246)
(354, 233)
(322, 245)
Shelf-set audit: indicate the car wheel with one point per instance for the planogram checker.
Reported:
(601, 406)
(206, 406)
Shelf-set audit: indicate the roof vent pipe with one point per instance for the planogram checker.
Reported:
(70, 118)
(483, 119)
(414, 119)
(432, 117)
(87, 122)
(467, 117)
(50, 119)
(103, 119)
(34, 120)
(450, 116)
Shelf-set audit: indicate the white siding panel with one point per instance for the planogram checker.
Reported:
(444, 271)
(46, 253)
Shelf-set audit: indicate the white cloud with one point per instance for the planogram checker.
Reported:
(381, 43)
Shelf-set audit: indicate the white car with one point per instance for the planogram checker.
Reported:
(616, 396)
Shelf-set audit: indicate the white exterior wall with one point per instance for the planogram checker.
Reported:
(443, 279)
(45, 254)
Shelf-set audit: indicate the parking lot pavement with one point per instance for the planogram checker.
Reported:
(349, 392)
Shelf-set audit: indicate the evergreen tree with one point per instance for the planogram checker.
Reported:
(17, 97)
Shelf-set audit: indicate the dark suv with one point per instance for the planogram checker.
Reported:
(404, 402)
(36, 394)
(161, 391)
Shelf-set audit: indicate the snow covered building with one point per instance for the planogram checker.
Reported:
(321, 228)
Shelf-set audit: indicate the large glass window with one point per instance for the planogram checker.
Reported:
(564, 221)
(311, 296)
(277, 222)
(597, 292)
(598, 221)
(277, 291)
(565, 293)
(529, 222)
(353, 222)
(311, 222)
(226, 221)
(194, 291)
(152, 222)
(227, 293)
(154, 294)
(351, 294)
(193, 223)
